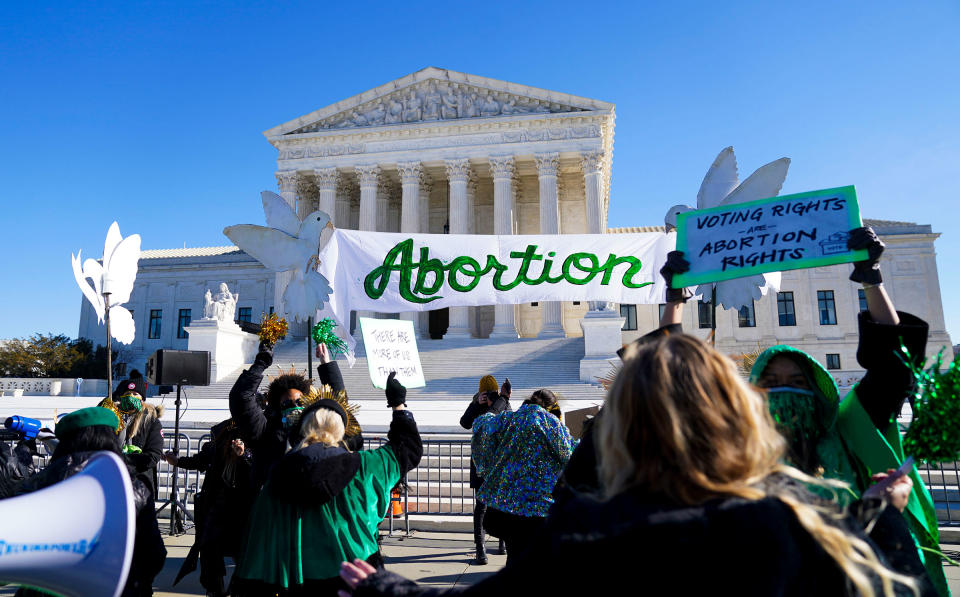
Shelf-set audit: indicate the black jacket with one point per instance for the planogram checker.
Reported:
(149, 553)
(726, 545)
(262, 429)
(147, 434)
(474, 410)
(318, 473)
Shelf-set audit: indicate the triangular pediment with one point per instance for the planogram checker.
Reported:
(436, 95)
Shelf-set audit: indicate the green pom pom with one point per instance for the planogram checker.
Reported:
(933, 434)
(323, 334)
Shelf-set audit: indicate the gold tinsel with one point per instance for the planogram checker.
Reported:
(326, 392)
(109, 404)
(272, 328)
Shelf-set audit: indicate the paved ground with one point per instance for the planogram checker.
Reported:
(437, 559)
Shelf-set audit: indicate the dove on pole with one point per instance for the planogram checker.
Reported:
(288, 244)
(721, 186)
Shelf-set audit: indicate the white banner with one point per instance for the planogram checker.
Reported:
(392, 273)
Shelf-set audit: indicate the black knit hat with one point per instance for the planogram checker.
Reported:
(329, 404)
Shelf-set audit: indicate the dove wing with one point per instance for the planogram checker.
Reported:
(276, 250)
(110, 244)
(765, 182)
(719, 181)
(279, 214)
(93, 270)
(85, 287)
(123, 268)
(121, 325)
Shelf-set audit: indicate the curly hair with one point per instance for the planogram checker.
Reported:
(279, 387)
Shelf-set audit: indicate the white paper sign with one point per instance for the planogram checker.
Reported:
(391, 345)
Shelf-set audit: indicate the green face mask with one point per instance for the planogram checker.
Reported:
(130, 404)
(797, 414)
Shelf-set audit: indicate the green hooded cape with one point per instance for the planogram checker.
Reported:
(852, 449)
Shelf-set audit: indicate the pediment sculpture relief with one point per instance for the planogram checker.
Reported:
(435, 100)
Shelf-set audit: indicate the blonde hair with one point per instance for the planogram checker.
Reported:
(322, 426)
(681, 422)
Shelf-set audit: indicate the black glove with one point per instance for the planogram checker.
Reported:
(675, 264)
(264, 356)
(505, 388)
(868, 270)
(396, 393)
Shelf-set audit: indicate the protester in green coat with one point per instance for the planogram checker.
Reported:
(323, 503)
(857, 439)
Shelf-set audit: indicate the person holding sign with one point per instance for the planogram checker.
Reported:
(852, 439)
(324, 502)
(689, 459)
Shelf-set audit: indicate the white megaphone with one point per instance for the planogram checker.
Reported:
(75, 537)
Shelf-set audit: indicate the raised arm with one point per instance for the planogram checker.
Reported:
(883, 333)
(244, 409)
(328, 370)
(404, 437)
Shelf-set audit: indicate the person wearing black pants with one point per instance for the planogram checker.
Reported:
(487, 399)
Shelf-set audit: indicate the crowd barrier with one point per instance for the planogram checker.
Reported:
(440, 485)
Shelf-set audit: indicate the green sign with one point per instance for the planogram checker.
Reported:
(768, 235)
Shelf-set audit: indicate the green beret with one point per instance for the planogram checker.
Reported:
(86, 417)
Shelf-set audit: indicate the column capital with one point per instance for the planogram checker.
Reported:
(547, 163)
(426, 185)
(592, 161)
(327, 178)
(368, 174)
(304, 187)
(458, 170)
(502, 166)
(410, 172)
(472, 182)
(287, 181)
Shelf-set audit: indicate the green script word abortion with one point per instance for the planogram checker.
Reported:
(415, 286)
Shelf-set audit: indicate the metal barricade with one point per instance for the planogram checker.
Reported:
(943, 483)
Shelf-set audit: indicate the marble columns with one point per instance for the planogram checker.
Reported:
(327, 179)
(426, 187)
(368, 177)
(411, 174)
(547, 166)
(503, 169)
(287, 183)
(458, 173)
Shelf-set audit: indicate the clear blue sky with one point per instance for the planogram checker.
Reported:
(152, 113)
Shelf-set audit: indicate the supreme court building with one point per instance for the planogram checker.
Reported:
(440, 151)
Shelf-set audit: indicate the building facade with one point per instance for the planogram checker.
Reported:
(439, 151)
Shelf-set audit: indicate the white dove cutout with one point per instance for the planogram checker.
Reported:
(116, 274)
(721, 186)
(288, 244)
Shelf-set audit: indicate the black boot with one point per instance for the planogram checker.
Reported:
(501, 548)
(478, 537)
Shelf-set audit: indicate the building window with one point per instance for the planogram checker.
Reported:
(271, 312)
(746, 316)
(183, 320)
(706, 314)
(833, 361)
(154, 332)
(660, 309)
(629, 315)
(244, 314)
(826, 307)
(862, 297)
(576, 303)
(785, 308)
(534, 304)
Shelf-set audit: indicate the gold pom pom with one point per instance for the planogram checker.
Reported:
(272, 328)
(109, 404)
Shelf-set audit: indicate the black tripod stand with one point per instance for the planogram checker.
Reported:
(177, 506)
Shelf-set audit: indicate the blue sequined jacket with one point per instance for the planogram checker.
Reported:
(520, 454)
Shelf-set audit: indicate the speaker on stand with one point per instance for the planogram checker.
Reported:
(180, 368)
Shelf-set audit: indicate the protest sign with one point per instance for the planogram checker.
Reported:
(769, 235)
(391, 345)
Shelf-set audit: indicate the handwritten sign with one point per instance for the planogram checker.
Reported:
(769, 235)
(391, 345)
